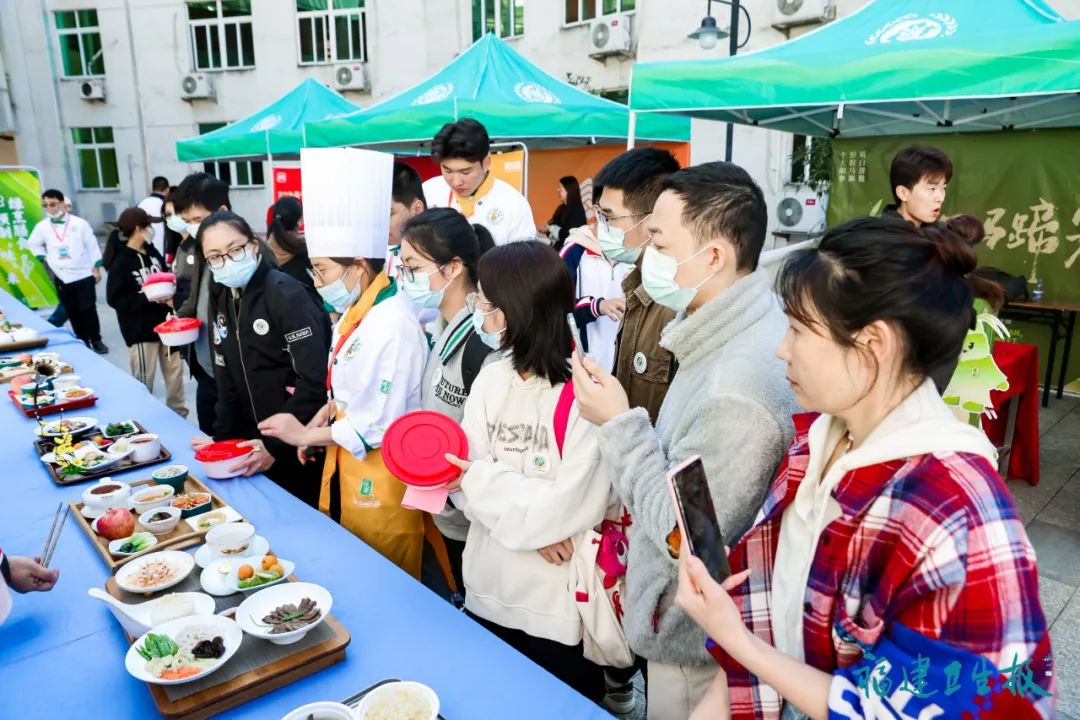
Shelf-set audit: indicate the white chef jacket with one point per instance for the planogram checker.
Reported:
(377, 373)
(70, 248)
(503, 210)
(154, 206)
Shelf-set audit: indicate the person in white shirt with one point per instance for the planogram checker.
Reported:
(68, 246)
(463, 151)
(154, 205)
(534, 483)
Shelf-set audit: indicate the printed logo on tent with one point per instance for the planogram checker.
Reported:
(914, 27)
(267, 123)
(533, 93)
(434, 94)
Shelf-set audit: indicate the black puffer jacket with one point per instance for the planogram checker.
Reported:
(136, 315)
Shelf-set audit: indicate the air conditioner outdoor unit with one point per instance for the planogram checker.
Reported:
(92, 89)
(800, 211)
(610, 36)
(790, 13)
(350, 77)
(196, 86)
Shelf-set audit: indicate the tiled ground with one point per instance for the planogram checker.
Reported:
(1051, 512)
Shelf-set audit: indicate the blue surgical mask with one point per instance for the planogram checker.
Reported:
(612, 239)
(420, 293)
(176, 224)
(658, 278)
(492, 339)
(236, 273)
(338, 296)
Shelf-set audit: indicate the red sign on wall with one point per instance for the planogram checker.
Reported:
(287, 183)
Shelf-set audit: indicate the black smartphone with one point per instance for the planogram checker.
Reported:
(697, 516)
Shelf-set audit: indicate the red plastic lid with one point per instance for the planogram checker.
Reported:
(221, 450)
(178, 325)
(161, 277)
(414, 445)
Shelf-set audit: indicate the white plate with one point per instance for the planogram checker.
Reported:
(114, 546)
(62, 394)
(113, 437)
(287, 565)
(258, 605)
(226, 510)
(258, 547)
(215, 582)
(228, 630)
(113, 458)
(180, 562)
(221, 584)
(49, 428)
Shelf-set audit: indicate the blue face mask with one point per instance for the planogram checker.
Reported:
(492, 339)
(339, 297)
(612, 241)
(236, 273)
(420, 293)
(658, 278)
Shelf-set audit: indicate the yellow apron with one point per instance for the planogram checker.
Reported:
(370, 497)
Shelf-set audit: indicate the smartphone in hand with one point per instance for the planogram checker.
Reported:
(696, 516)
(575, 333)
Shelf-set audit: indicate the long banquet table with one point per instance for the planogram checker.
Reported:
(62, 652)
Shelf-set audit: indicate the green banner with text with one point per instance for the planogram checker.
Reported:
(1024, 185)
(22, 274)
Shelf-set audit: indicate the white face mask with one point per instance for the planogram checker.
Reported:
(176, 224)
(612, 241)
(193, 228)
(658, 273)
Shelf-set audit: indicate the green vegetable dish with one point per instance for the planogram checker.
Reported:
(262, 577)
(120, 428)
(157, 646)
(136, 543)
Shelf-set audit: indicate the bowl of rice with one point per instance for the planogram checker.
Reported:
(403, 700)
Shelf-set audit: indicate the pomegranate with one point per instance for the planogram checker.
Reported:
(115, 524)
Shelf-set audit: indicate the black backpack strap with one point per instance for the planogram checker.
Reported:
(472, 359)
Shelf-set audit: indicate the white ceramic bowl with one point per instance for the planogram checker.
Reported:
(161, 527)
(65, 381)
(52, 428)
(158, 291)
(373, 698)
(99, 502)
(155, 496)
(146, 447)
(230, 539)
(324, 710)
(258, 605)
(216, 624)
(180, 563)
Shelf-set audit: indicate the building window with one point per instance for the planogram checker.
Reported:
(221, 34)
(96, 154)
(505, 18)
(241, 174)
(80, 43)
(584, 10)
(331, 31)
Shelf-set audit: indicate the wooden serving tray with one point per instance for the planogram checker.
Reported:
(182, 536)
(37, 342)
(45, 445)
(240, 689)
(8, 374)
(83, 402)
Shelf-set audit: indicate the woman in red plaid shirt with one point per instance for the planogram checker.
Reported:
(887, 574)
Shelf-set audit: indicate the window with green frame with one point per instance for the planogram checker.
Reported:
(584, 10)
(242, 174)
(79, 38)
(331, 31)
(505, 18)
(96, 156)
(221, 34)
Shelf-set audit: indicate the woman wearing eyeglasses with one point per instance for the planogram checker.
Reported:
(440, 251)
(377, 353)
(269, 343)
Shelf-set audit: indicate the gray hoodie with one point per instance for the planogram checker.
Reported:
(729, 403)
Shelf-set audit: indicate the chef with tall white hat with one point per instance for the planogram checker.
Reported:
(377, 353)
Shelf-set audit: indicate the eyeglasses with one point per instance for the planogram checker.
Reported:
(602, 216)
(235, 254)
(474, 303)
(408, 274)
(314, 273)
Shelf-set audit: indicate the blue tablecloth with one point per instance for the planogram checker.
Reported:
(62, 653)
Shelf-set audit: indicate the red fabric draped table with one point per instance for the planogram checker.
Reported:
(1016, 428)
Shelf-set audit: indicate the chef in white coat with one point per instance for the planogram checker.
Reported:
(463, 151)
(377, 353)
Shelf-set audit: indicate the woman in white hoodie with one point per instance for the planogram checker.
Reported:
(532, 483)
(888, 573)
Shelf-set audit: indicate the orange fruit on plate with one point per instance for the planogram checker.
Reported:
(244, 572)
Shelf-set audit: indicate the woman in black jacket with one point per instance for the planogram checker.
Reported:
(129, 258)
(287, 242)
(270, 344)
(569, 215)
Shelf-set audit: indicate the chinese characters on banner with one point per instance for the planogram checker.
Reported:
(851, 166)
(1036, 229)
(21, 274)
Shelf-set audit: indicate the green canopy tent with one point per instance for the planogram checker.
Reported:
(891, 68)
(276, 131)
(515, 100)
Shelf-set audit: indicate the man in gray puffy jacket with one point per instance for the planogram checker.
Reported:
(729, 403)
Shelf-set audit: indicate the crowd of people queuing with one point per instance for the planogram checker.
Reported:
(868, 527)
